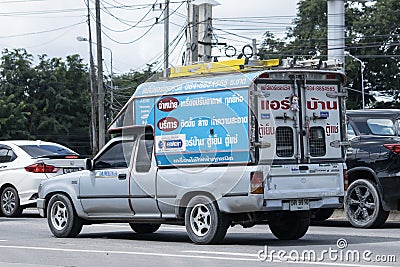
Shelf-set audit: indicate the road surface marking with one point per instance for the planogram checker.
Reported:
(131, 253)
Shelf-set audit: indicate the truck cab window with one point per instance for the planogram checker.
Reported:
(144, 154)
(117, 155)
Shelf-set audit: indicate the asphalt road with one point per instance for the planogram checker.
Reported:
(27, 241)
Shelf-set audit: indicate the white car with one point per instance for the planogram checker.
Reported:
(24, 164)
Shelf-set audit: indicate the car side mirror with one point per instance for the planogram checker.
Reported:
(89, 164)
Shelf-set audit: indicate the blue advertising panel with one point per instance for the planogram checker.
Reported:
(182, 86)
(201, 128)
(144, 111)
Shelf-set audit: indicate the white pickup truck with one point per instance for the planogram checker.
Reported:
(263, 144)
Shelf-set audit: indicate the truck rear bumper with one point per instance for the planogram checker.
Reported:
(256, 203)
(328, 202)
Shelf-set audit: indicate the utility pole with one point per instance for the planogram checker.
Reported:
(93, 98)
(100, 87)
(205, 28)
(336, 28)
(166, 38)
(192, 35)
(254, 46)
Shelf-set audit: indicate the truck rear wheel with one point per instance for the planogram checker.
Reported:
(62, 218)
(142, 228)
(205, 224)
(289, 225)
(363, 205)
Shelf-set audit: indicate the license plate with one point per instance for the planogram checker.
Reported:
(69, 170)
(299, 204)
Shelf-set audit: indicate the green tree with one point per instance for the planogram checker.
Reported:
(16, 77)
(123, 88)
(61, 101)
(372, 34)
(49, 101)
(379, 46)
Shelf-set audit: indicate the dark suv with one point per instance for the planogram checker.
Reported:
(373, 162)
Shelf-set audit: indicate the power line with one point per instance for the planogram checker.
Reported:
(40, 32)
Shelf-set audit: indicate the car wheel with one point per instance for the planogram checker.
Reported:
(9, 202)
(289, 225)
(142, 228)
(363, 205)
(322, 214)
(205, 224)
(62, 218)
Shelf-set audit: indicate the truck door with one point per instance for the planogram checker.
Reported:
(299, 119)
(105, 193)
(142, 187)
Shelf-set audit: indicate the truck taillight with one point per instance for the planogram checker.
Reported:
(395, 148)
(41, 168)
(346, 179)
(257, 183)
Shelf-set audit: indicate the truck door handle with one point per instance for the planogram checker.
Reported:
(122, 176)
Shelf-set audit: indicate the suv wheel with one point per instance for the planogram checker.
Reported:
(9, 202)
(363, 205)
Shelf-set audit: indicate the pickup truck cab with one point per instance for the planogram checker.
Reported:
(212, 151)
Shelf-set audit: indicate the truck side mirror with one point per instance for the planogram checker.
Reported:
(89, 164)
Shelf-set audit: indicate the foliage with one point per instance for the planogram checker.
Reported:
(49, 101)
(372, 35)
(123, 88)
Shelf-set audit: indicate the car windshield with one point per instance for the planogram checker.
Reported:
(36, 151)
(381, 126)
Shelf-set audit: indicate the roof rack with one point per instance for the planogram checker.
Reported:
(223, 66)
(244, 65)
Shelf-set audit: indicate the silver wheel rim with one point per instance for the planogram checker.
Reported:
(361, 204)
(59, 215)
(200, 220)
(9, 202)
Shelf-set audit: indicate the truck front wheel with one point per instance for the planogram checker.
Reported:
(62, 218)
(289, 225)
(205, 224)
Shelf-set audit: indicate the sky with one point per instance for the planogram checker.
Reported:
(130, 33)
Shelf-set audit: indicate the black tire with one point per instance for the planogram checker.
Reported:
(289, 225)
(205, 224)
(62, 218)
(10, 205)
(363, 205)
(322, 214)
(142, 228)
